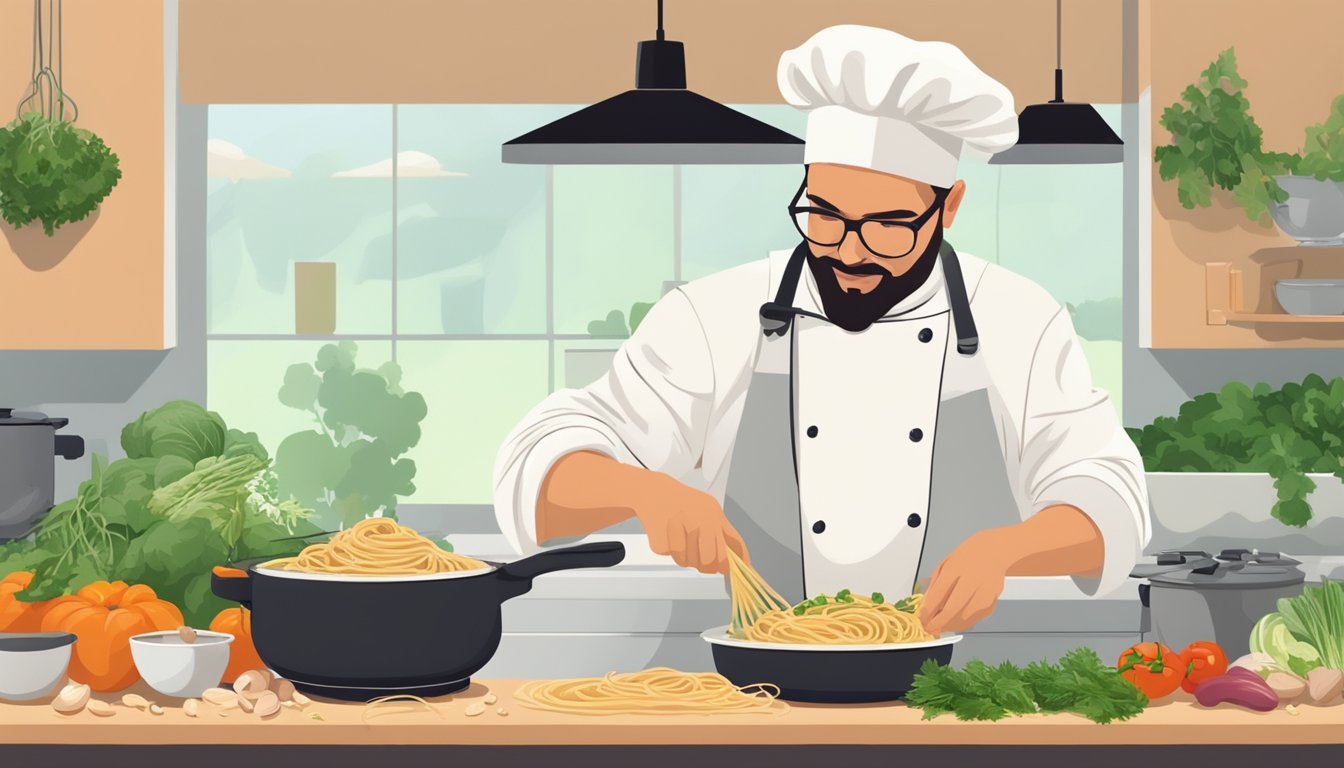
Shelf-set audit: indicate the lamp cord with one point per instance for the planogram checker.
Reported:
(1059, 58)
(660, 19)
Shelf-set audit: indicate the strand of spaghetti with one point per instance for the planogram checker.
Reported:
(374, 706)
(759, 614)
(660, 690)
(377, 546)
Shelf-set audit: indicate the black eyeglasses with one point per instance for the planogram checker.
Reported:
(884, 236)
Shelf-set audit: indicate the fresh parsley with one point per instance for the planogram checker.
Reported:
(53, 172)
(1286, 433)
(1216, 142)
(1078, 683)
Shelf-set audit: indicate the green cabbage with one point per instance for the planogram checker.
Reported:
(179, 428)
(1271, 636)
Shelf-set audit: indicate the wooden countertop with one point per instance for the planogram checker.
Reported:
(1177, 720)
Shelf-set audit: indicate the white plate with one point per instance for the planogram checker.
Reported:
(350, 577)
(719, 636)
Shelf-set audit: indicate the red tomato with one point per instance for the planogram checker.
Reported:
(1153, 668)
(1203, 660)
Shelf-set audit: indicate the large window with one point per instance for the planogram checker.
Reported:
(482, 281)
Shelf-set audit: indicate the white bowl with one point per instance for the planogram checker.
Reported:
(180, 669)
(33, 665)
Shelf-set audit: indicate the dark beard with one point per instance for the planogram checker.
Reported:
(855, 311)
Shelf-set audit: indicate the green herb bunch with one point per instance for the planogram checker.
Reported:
(53, 172)
(190, 494)
(1080, 683)
(1216, 142)
(1286, 432)
(1323, 149)
(352, 465)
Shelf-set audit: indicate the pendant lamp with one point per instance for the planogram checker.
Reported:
(660, 122)
(1060, 132)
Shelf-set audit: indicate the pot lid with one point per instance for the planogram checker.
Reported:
(12, 418)
(1230, 569)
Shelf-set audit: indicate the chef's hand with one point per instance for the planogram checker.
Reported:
(687, 524)
(966, 585)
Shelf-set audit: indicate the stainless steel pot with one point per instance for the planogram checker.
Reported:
(28, 447)
(1189, 596)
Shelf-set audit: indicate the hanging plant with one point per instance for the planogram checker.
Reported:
(51, 171)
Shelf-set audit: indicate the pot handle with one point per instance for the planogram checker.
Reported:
(516, 578)
(232, 584)
(69, 447)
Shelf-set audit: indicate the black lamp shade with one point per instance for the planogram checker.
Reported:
(1062, 133)
(655, 126)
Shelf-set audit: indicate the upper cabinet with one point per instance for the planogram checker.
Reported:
(105, 282)
(1211, 271)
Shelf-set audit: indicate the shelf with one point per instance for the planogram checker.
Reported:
(1225, 292)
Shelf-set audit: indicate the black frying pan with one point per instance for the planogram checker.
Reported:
(827, 674)
(360, 637)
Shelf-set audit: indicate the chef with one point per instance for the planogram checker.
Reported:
(869, 410)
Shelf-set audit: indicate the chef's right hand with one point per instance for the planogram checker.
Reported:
(688, 525)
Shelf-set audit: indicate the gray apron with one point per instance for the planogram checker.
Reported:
(969, 486)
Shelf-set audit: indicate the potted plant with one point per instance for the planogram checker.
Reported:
(1313, 214)
(585, 365)
(1249, 466)
(51, 171)
(1216, 143)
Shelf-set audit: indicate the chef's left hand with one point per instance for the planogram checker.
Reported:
(965, 586)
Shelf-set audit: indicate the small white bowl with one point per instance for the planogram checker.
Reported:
(33, 665)
(174, 667)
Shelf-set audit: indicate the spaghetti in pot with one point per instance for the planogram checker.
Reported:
(761, 615)
(377, 546)
(656, 691)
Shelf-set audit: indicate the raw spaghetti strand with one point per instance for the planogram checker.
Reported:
(751, 596)
(656, 691)
(377, 546)
(761, 615)
(388, 704)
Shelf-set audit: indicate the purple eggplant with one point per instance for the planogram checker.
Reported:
(1239, 686)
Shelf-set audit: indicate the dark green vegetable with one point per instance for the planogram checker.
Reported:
(877, 597)
(159, 519)
(1078, 683)
(1286, 433)
(52, 172)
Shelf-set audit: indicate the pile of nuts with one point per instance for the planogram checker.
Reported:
(256, 692)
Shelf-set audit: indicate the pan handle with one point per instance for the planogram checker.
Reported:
(516, 578)
(233, 584)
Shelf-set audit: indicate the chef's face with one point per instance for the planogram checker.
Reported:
(860, 192)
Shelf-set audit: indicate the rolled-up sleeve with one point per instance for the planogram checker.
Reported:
(1075, 452)
(651, 409)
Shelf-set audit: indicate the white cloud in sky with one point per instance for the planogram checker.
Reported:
(410, 164)
(229, 161)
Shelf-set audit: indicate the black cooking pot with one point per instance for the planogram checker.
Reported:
(360, 637)
(28, 447)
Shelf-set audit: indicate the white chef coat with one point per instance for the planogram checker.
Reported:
(673, 400)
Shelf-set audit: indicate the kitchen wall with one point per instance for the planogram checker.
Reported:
(101, 391)
(98, 283)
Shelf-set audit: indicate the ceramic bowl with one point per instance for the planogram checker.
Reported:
(1313, 214)
(1310, 297)
(33, 665)
(176, 668)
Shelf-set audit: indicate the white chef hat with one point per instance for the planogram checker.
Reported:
(877, 99)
